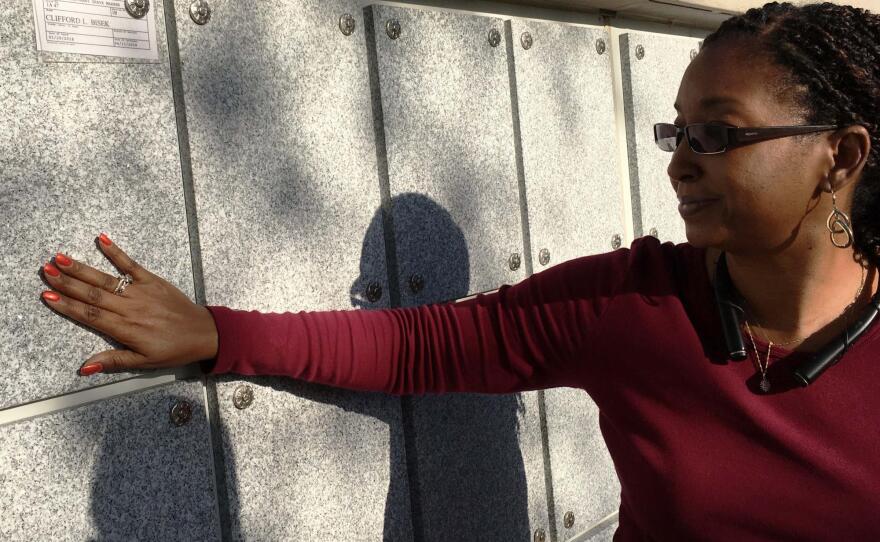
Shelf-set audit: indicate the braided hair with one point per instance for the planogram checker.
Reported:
(831, 56)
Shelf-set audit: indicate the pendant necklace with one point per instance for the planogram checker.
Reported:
(765, 383)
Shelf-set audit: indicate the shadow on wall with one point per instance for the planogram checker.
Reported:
(458, 454)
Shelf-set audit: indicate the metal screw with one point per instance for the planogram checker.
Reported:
(181, 413)
(640, 52)
(200, 12)
(653, 232)
(526, 40)
(137, 8)
(346, 24)
(540, 536)
(416, 283)
(243, 397)
(514, 261)
(374, 292)
(600, 46)
(494, 37)
(615, 241)
(568, 520)
(392, 28)
(693, 54)
(544, 256)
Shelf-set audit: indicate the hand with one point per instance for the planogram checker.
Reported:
(158, 322)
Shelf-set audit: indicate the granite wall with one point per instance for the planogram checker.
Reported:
(316, 155)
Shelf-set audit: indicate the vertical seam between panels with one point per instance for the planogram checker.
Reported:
(210, 385)
(394, 296)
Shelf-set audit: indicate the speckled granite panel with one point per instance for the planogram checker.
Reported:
(584, 480)
(566, 111)
(650, 85)
(285, 173)
(478, 469)
(114, 470)
(85, 148)
(307, 462)
(575, 201)
(451, 162)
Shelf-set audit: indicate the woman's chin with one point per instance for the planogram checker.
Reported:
(701, 237)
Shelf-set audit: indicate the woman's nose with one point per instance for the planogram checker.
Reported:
(681, 161)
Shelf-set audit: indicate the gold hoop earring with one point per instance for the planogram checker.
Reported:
(839, 218)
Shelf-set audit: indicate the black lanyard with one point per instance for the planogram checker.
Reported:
(807, 372)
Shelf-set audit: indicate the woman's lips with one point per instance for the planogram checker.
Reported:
(690, 209)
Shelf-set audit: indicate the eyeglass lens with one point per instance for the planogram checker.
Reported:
(703, 138)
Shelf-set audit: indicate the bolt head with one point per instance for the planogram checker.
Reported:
(526, 40)
(137, 8)
(544, 256)
(200, 12)
(346, 24)
(416, 283)
(181, 413)
(514, 261)
(374, 292)
(392, 28)
(243, 397)
(494, 37)
(640, 52)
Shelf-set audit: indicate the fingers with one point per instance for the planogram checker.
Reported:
(83, 283)
(113, 361)
(122, 261)
(103, 320)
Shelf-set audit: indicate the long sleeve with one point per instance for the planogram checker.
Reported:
(531, 335)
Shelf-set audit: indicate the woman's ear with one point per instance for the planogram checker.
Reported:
(850, 148)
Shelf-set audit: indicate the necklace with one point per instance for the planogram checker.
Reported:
(765, 384)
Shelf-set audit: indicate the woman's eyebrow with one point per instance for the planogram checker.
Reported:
(713, 101)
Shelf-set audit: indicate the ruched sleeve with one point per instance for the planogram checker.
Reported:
(535, 334)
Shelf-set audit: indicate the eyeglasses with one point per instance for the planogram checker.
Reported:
(717, 138)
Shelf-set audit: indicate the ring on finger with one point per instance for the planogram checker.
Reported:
(123, 284)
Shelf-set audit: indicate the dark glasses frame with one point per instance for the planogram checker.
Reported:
(730, 136)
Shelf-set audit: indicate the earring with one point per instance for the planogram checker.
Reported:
(839, 218)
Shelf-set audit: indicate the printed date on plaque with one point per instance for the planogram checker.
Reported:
(94, 27)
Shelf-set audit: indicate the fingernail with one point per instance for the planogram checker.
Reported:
(62, 259)
(104, 239)
(51, 296)
(51, 270)
(91, 368)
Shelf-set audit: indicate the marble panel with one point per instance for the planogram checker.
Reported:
(86, 148)
(652, 66)
(575, 208)
(284, 165)
(476, 463)
(117, 469)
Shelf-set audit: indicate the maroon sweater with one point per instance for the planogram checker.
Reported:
(701, 454)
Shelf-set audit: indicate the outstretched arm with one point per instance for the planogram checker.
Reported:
(535, 334)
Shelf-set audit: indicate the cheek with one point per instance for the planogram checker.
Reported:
(758, 189)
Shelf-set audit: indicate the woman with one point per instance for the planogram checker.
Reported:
(704, 448)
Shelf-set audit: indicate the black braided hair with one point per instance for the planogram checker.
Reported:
(832, 56)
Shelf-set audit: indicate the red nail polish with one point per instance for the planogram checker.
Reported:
(51, 296)
(51, 270)
(62, 259)
(104, 239)
(91, 368)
